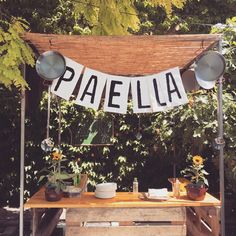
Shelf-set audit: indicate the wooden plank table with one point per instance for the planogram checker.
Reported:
(133, 216)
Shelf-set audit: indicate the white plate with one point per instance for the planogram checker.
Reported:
(161, 198)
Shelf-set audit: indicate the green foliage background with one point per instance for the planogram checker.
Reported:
(14, 52)
(167, 137)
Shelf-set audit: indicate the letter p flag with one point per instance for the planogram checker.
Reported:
(63, 78)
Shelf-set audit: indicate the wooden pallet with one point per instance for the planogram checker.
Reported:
(204, 221)
(126, 221)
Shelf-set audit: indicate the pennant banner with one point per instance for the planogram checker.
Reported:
(151, 93)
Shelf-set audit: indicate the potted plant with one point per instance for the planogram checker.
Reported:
(196, 190)
(55, 176)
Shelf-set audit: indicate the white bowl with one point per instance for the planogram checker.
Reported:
(105, 194)
(106, 187)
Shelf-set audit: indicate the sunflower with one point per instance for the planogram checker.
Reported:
(197, 160)
(56, 156)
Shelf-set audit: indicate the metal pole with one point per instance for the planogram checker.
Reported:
(221, 148)
(22, 157)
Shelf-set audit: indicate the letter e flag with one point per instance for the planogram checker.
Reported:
(117, 90)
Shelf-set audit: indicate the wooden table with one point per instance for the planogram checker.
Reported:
(127, 214)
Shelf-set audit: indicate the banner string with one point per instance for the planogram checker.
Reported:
(59, 123)
(48, 111)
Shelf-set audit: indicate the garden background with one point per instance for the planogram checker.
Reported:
(167, 137)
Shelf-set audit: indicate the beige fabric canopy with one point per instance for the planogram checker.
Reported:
(127, 55)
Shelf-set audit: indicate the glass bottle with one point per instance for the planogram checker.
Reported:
(176, 188)
(135, 185)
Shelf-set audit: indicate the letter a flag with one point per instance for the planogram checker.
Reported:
(91, 88)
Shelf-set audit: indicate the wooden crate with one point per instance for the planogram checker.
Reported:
(204, 221)
(128, 221)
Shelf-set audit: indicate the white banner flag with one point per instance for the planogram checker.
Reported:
(64, 86)
(172, 87)
(166, 90)
(157, 98)
(91, 88)
(140, 94)
(116, 98)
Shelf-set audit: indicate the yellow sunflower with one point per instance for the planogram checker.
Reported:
(56, 156)
(197, 160)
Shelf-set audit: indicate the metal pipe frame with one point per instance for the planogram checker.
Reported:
(221, 147)
(22, 157)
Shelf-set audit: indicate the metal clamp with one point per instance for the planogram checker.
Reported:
(218, 143)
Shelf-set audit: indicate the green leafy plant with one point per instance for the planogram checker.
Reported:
(14, 52)
(196, 171)
(118, 17)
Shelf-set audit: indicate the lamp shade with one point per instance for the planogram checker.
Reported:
(209, 67)
(50, 65)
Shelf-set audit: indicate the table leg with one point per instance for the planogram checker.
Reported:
(36, 218)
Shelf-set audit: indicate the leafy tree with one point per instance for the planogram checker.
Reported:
(111, 17)
(13, 53)
(194, 17)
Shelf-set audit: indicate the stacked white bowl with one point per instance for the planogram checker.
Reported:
(106, 190)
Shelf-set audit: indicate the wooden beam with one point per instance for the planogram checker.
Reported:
(161, 230)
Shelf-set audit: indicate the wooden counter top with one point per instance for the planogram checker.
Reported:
(122, 199)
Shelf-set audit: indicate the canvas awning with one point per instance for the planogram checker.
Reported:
(126, 55)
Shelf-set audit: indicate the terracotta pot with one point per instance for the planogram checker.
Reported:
(52, 195)
(196, 192)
